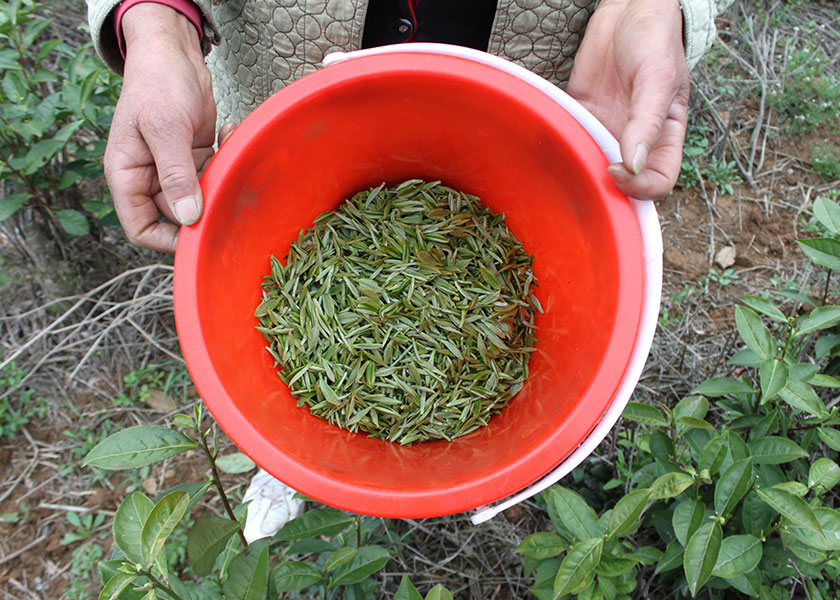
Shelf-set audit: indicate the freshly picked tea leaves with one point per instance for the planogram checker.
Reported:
(406, 313)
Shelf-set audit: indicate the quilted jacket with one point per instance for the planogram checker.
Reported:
(258, 46)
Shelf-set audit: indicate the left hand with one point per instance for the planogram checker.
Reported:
(631, 73)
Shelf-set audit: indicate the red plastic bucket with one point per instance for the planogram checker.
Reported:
(393, 117)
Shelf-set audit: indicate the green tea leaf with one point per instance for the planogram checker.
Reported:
(671, 559)
(137, 447)
(701, 554)
(721, 386)
(765, 307)
(234, 463)
(626, 512)
(802, 396)
(756, 515)
(338, 558)
(615, 566)
(74, 223)
(745, 358)
(10, 203)
(367, 561)
(822, 251)
(830, 437)
(128, 525)
(439, 592)
(827, 213)
(318, 521)
(824, 473)
(163, 519)
(407, 591)
(647, 555)
(206, 540)
(576, 515)
(290, 575)
(542, 545)
(739, 554)
(829, 520)
(773, 450)
(748, 583)
(713, 455)
(688, 516)
(670, 485)
(794, 509)
(248, 573)
(644, 414)
(577, 565)
(117, 585)
(733, 485)
(754, 332)
(822, 317)
(773, 376)
(694, 423)
(691, 406)
(827, 345)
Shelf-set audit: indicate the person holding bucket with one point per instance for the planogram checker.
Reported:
(627, 61)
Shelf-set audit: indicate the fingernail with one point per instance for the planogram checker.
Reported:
(618, 172)
(640, 158)
(186, 210)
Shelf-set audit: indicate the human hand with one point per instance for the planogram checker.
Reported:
(631, 73)
(163, 128)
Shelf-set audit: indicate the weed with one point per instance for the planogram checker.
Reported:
(83, 527)
(724, 278)
(809, 96)
(15, 412)
(825, 160)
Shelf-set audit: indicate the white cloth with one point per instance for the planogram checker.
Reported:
(273, 504)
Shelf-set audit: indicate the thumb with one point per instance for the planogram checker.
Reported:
(177, 175)
(650, 102)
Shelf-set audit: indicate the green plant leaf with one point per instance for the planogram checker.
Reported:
(701, 554)
(671, 559)
(756, 515)
(576, 515)
(318, 521)
(10, 204)
(694, 423)
(407, 591)
(822, 251)
(137, 446)
(734, 483)
(644, 414)
(74, 223)
(822, 380)
(829, 520)
(117, 586)
(542, 545)
(748, 583)
(626, 512)
(802, 396)
(822, 317)
(765, 307)
(234, 463)
(827, 213)
(128, 525)
(688, 516)
(739, 554)
(312, 546)
(439, 592)
(615, 566)
(767, 425)
(163, 519)
(721, 386)
(754, 332)
(713, 455)
(773, 450)
(670, 485)
(773, 376)
(367, 561)
(290, 575)
(577, 565)
(206, 540)
(338, 558)
(824, 473)
(827, 345)
(248, 573)
(794, 509)
(691, 406)
(647, 555)
(745, 358)
(830, 437)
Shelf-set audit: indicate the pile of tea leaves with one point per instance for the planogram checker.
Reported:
(407, 313)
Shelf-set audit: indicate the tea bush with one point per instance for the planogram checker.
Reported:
(56, 104)
(732, 494)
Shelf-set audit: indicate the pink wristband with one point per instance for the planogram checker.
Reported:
(185, 7)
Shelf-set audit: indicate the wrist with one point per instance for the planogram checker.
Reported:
(154, 23)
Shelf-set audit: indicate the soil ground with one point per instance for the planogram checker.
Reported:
(76, 329)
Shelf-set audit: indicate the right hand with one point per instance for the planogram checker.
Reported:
(163, 129)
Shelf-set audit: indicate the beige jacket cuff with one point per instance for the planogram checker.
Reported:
(699, 26)
(100, 19)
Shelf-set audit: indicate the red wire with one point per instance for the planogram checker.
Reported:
(412, 5)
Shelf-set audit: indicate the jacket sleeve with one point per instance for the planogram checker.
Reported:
(699, 26)
(101, 22)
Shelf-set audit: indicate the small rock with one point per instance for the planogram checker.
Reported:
(159, 401)
(725, 257)
(150, 486)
